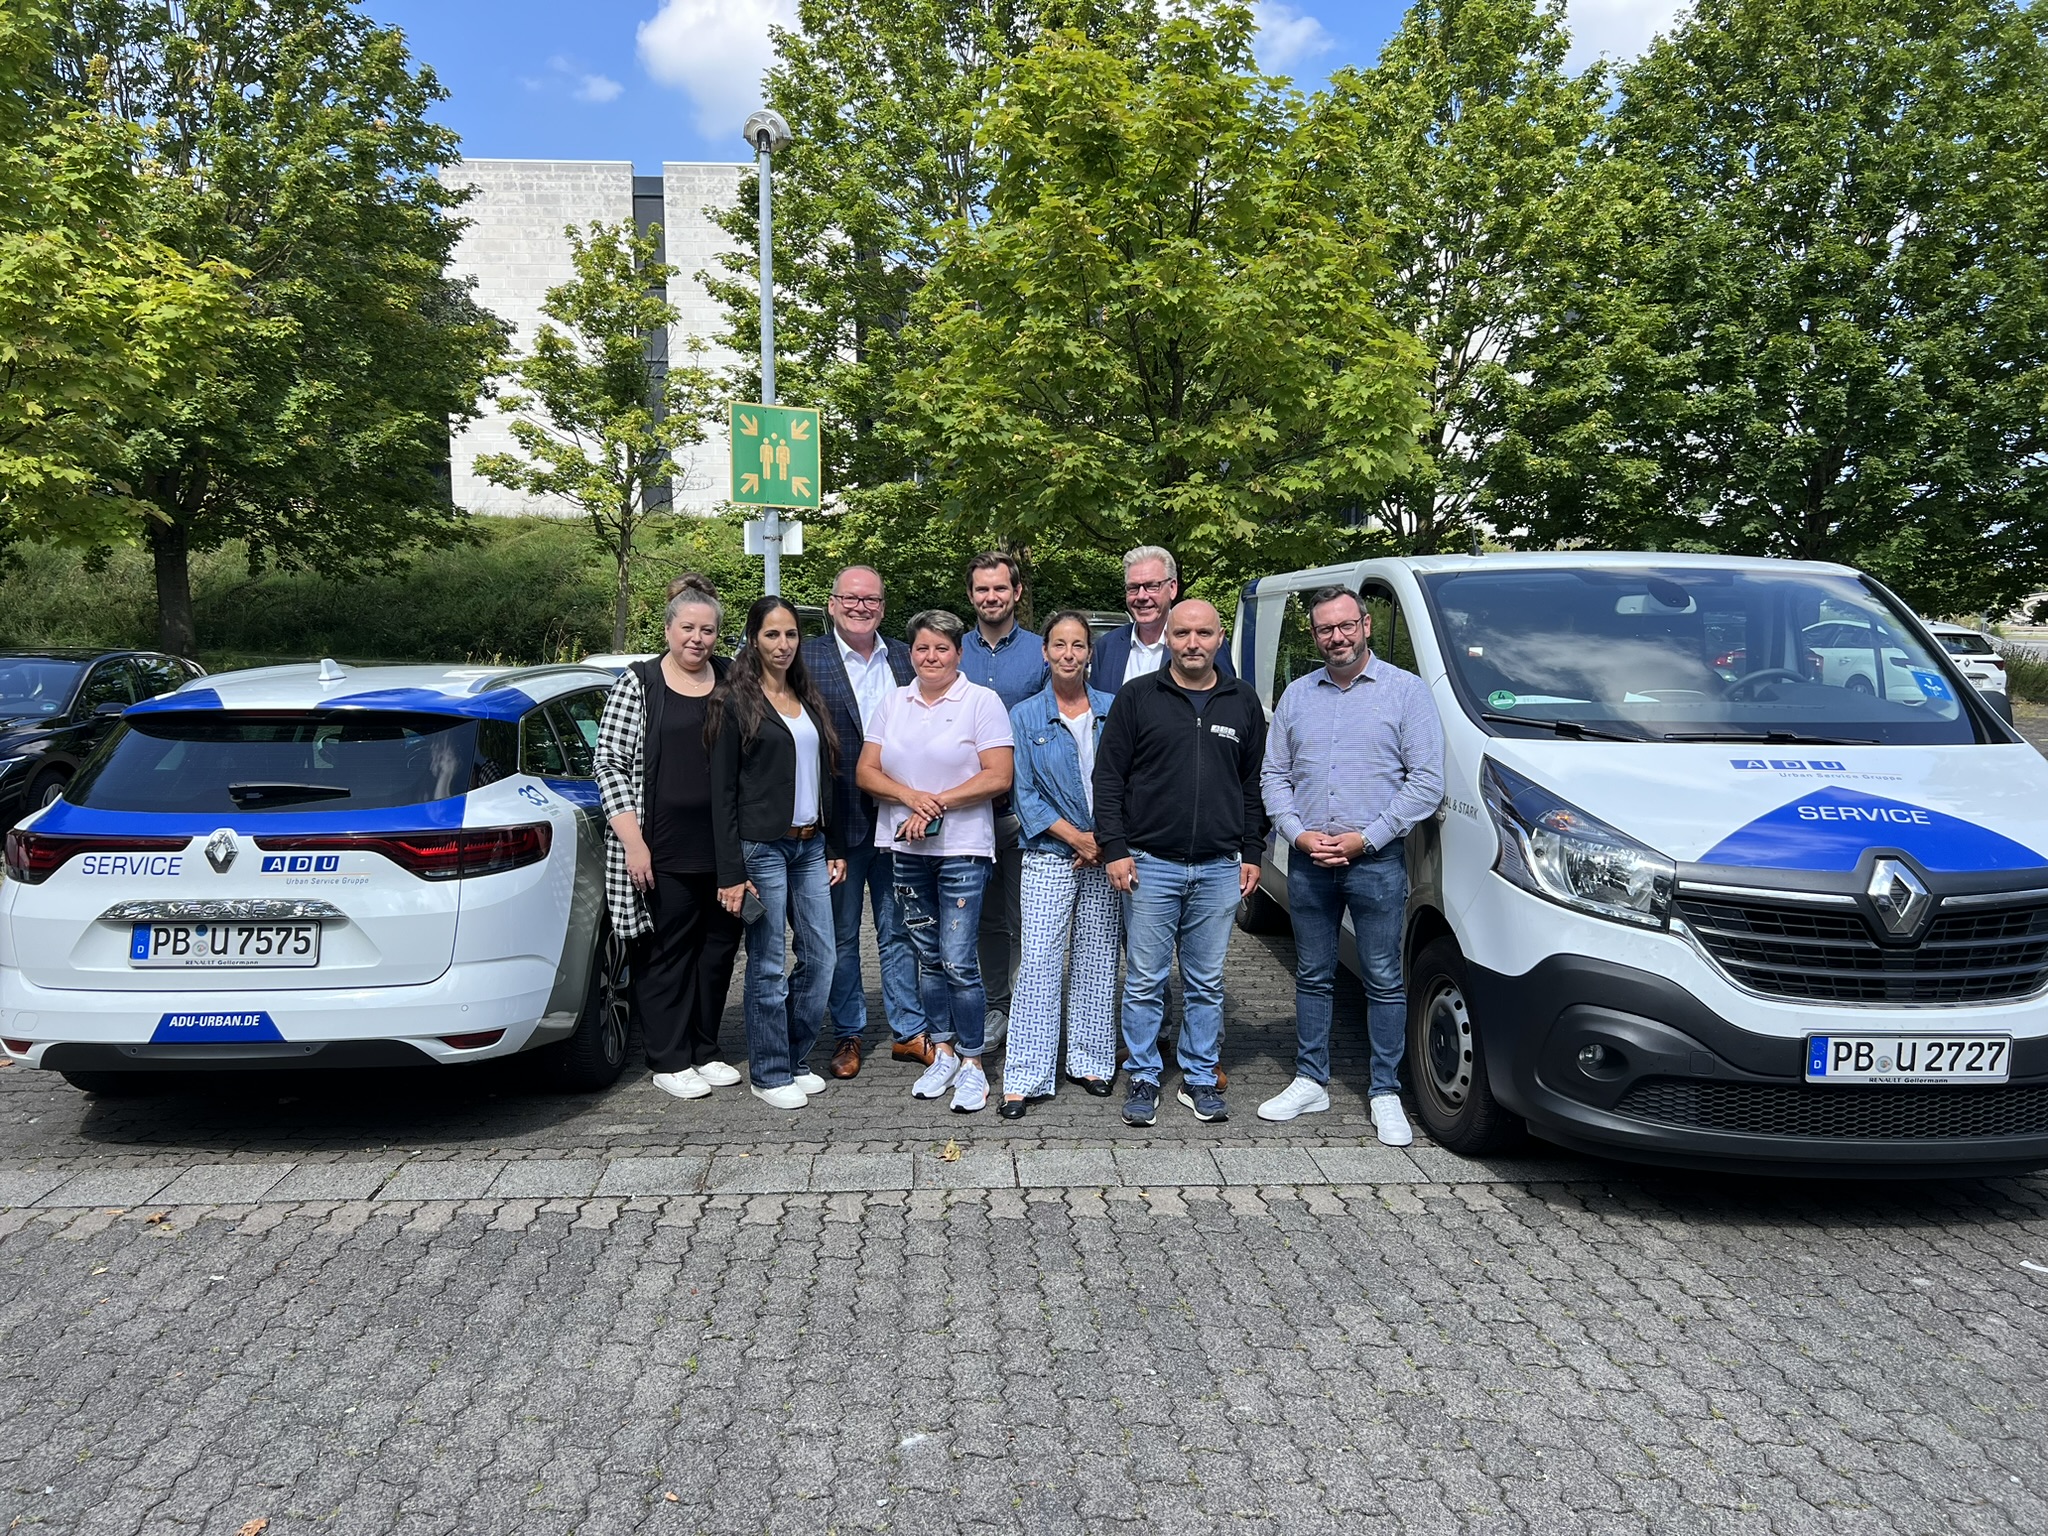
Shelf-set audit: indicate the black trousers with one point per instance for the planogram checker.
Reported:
(682, 971)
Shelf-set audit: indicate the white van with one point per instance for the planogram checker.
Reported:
(1694, 896)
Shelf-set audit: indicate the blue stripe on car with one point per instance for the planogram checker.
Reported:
(498, 704)
(581, 793)
(1832, 828)
(65, 819)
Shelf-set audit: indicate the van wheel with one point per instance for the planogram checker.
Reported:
(1452, 1093)
(1260, 913)
(109, 1085)
(594, 1055)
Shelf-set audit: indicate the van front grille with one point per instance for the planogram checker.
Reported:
(1876, 1113)
(1831, 955)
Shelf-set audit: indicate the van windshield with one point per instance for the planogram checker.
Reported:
(1686, 653)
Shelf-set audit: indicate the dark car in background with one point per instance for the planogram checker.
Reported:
(58, 703)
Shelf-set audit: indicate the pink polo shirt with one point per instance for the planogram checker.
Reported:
(934, 746)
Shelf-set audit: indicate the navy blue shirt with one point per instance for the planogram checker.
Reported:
(1014, 666)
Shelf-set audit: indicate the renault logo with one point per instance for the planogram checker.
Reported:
(220, 850)
(1897, 893)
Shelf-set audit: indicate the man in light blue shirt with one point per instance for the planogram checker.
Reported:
(1002, 654)
(1354, 759)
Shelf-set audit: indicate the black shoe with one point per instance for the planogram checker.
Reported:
(1101, 1087)
(1013, 1109)
(1141, 1107)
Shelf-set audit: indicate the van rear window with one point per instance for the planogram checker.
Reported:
(217, 762)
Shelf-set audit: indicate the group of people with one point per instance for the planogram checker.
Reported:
(1015, 813)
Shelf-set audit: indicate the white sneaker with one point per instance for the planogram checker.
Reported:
(937, 1077)
(970, 1089)
(1303, 1096)
(810, 1083)
(788, 1096)
(1390, 1121)
(686, 1084)
(718, 1074)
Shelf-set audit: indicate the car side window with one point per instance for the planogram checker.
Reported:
(575, 719)
(1296, 655)
(539, 753)
(157, 675)
(109, 683)
(1392, 638)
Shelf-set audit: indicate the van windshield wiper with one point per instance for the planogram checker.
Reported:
(1773, 738)
(1575, 730)
(247, 795)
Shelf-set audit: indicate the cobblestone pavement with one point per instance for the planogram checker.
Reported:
(446, 1303)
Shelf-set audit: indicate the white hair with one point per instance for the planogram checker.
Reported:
(1146, 552)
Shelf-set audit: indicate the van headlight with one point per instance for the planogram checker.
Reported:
(1552, 848)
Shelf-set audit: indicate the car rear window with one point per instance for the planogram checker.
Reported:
(1964, 645)
(215, 762)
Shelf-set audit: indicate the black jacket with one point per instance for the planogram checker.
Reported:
(853, 810)
(753, 790)
(1178, 786)
(653, 700)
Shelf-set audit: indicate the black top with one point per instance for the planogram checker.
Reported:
(1178, 784)
(753, 791)
(680, 838)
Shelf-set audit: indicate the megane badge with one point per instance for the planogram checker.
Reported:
(220, 850)
(1897, 893)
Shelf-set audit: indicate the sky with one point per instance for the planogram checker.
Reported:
(655, 80)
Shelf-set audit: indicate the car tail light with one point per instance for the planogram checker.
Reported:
(19, 1047)
(1994, 661)
(454, 855)
(474, 1042)
(32, 857)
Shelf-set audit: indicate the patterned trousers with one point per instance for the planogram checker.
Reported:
(1070, 915)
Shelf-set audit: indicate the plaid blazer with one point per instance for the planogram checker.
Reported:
(852, 811)
(622, 737)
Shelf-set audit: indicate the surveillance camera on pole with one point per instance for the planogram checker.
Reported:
(766, 132)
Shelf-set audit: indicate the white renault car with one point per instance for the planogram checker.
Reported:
(322, 866)
(1691, 898)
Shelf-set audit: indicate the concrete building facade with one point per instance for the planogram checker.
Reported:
(516, 250)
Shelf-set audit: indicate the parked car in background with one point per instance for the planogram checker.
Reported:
(1975, 656)
(310, 866)
(58, 703)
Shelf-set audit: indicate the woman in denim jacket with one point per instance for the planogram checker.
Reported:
(1071, 915)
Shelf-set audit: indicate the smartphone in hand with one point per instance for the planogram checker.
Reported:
(751, 910)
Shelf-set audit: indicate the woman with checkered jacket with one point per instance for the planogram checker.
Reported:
(661, 863)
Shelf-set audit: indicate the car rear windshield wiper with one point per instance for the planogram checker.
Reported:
(249, 795)
(1772, 738)
(1572, 729)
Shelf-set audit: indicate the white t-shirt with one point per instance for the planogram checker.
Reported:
(1082, 728)
(935, 746)
(805, 733)
(1144, 659)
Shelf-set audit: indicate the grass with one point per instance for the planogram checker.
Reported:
(2026, 674)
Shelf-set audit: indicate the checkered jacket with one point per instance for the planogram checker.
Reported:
(622, 780)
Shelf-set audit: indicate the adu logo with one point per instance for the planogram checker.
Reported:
(301, 863)
(1807, 765)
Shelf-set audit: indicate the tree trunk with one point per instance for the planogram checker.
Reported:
(623, 606)
(171, 555)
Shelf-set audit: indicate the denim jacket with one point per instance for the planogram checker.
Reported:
(1048, 772)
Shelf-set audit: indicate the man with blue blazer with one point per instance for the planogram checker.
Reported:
(855, 670)
(1151, 588)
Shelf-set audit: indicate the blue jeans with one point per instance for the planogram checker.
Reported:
(940, 900)
(869, 872)
(786, 1008)
(1375, 889)
(1191, 906)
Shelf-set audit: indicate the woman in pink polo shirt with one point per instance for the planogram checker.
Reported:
(937, 752)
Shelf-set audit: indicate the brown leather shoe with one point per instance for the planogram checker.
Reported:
(846, 1060)
(917, 1048)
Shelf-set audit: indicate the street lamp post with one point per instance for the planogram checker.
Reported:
(766, 132)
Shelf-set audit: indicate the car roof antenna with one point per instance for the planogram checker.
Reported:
(331, 670)
(1478, 548)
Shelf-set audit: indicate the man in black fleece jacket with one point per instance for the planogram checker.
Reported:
(1181, 825)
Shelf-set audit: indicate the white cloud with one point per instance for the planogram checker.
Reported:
(716, 51)
(1288, 37)
(598, 88)
(566, 74)
(1620, 29)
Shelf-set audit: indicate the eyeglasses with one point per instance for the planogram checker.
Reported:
(1136, 588)
(1332, 631)
(848, 600)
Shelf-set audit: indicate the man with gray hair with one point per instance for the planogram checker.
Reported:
(1151, 588)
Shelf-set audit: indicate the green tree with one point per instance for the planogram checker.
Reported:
(98, 323)
(1161, 332)
(597, 424)
(1801, 310)
(1459, 144)
(289, 139)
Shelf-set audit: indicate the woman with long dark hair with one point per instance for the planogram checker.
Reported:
(773, 752)
(661, 879)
